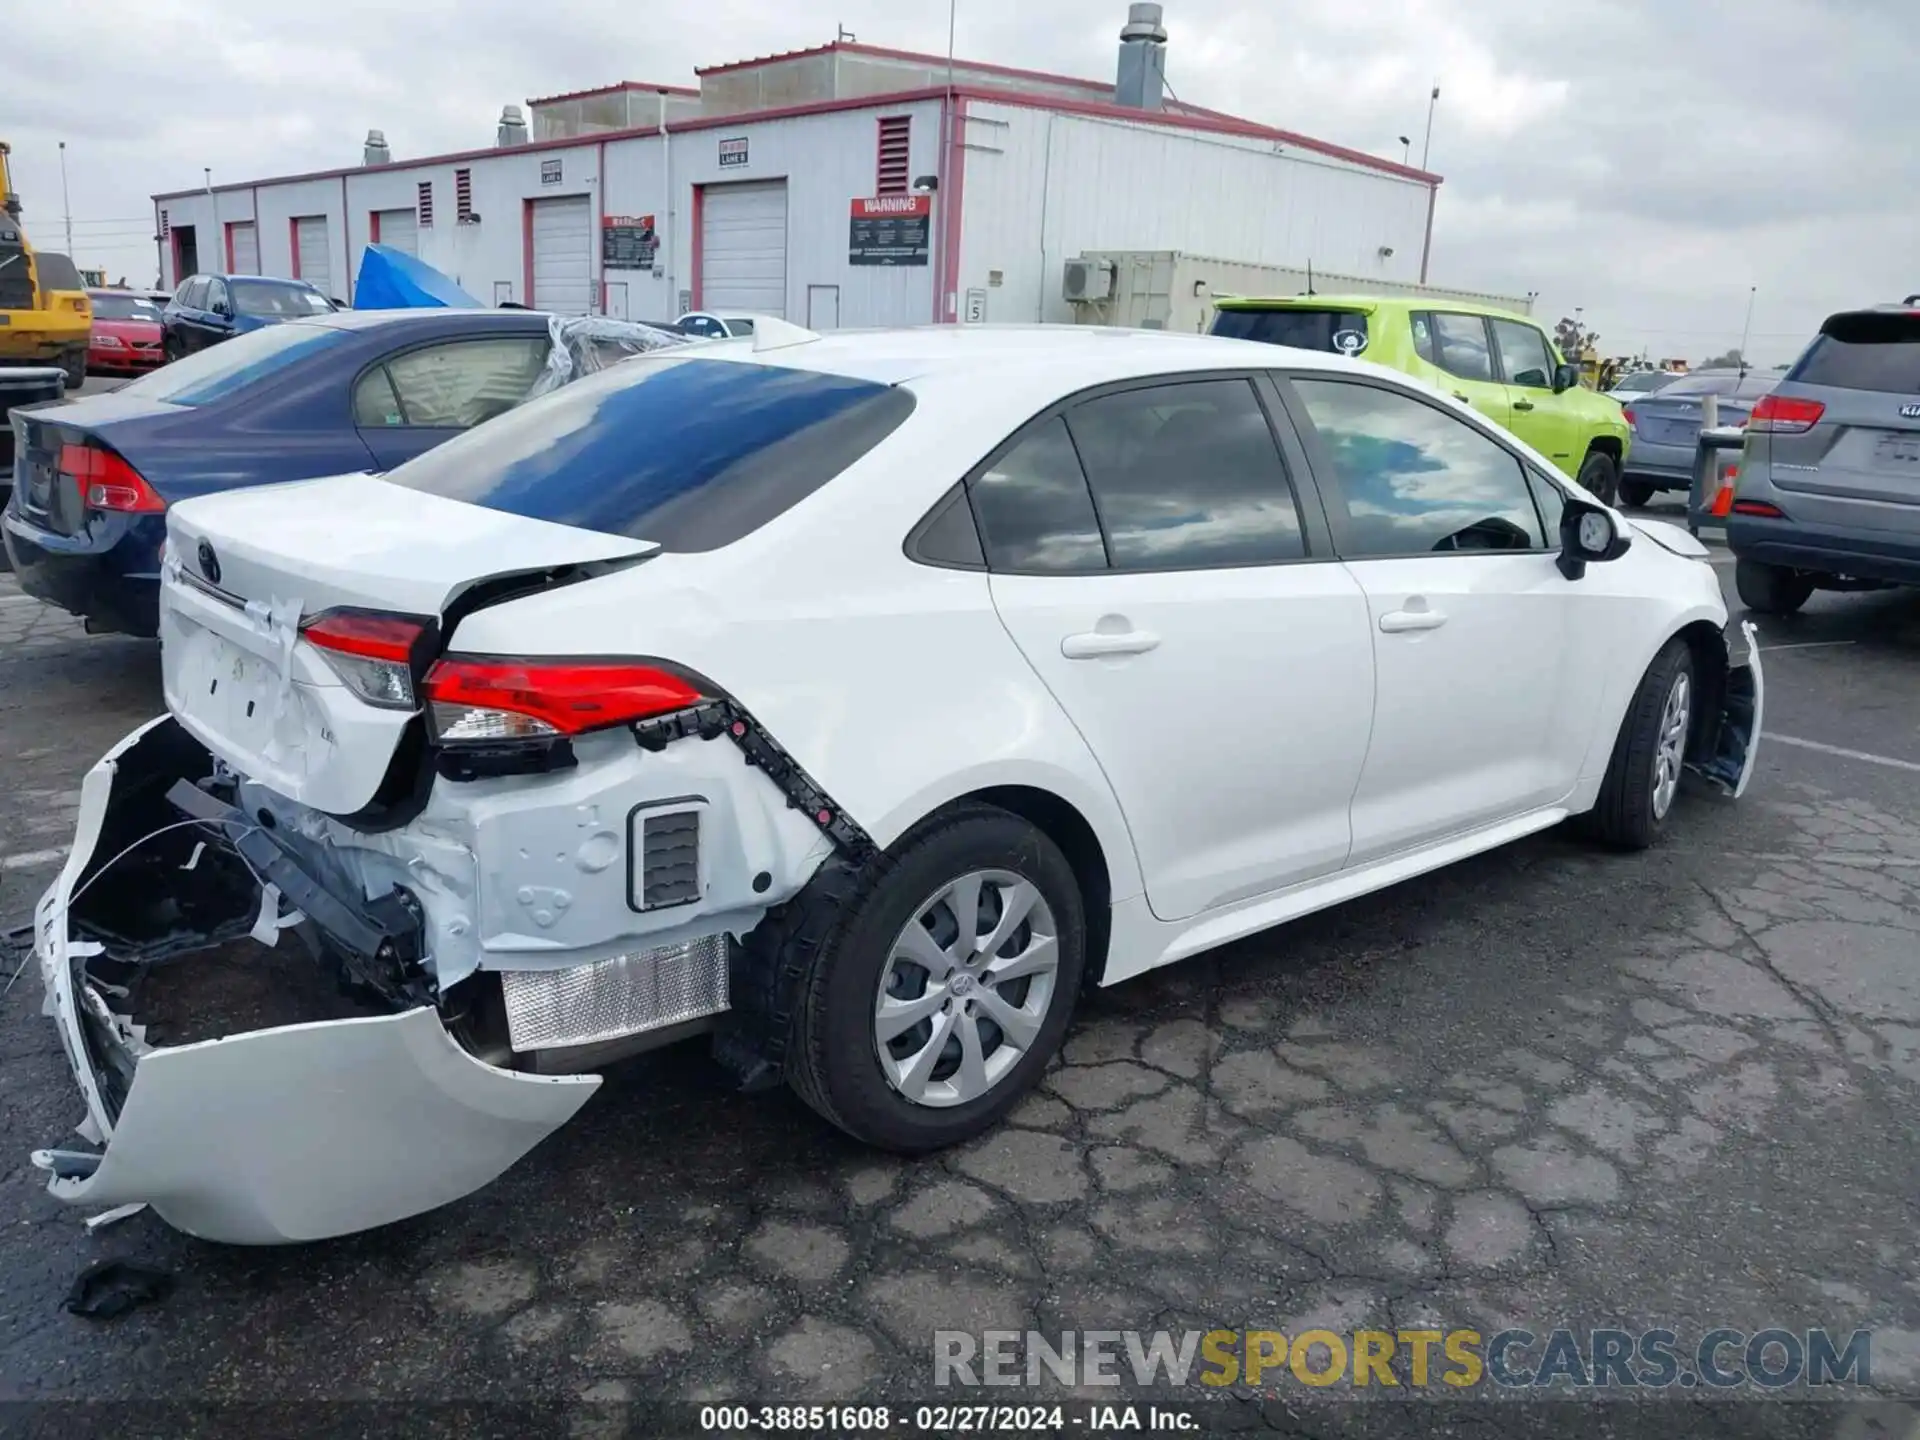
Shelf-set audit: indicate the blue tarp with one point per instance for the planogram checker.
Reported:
(394, 280)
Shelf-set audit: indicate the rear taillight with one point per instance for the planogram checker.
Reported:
(1759, 508)
(1626, 413)
(372, 653)
(1785, 415)
(487, 700)
(108, 482)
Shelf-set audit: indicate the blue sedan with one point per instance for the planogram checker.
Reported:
(332, 394)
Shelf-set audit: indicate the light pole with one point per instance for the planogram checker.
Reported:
(1746, 330)
(1406, 151)
(1426, 145)
(65, 205)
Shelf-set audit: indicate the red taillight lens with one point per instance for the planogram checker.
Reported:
(372, 653)
(477, 700)
(108, 482)
(1760, 508)
(1626, 413)
(1785, 415)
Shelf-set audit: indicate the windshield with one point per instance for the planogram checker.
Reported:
(1338, 332)
(115, 305)
(214, 373)
(692, 454)
(266, 300)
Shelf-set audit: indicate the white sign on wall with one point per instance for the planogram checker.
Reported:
(733, 153)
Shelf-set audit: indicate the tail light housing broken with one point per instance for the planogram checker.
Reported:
(487, 700)
(376, 655)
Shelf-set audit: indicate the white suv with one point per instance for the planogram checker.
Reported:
(857, 699)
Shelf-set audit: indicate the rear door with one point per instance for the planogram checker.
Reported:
(1152, 559)
(1460, 346)
(409, 403)
(1859, 464)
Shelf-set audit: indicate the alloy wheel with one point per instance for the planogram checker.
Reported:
(1670, 754)
(966, 988)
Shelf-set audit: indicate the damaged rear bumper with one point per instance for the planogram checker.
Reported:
(289, 1133)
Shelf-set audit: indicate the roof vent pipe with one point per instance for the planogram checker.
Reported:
(376, 152)
(1141, 81)
(513, 128)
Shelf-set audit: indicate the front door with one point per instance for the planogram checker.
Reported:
(1154, 565)
(1536, 414)
(1469, 617)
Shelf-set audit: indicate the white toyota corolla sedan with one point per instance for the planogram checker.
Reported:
(856, 700)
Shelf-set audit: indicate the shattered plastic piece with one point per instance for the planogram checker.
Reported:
(199, 849)
(115, 1215)
(270, 922)
(584, 344)
(108, 1289)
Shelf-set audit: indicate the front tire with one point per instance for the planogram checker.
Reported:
(1599, 476)
(75, 366)
(1649, 757)
(1636, 492)
(1771, 589)
(919, 1024)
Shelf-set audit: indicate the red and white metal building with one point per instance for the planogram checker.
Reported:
(844, 185)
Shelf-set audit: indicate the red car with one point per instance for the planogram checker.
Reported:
(126, 332)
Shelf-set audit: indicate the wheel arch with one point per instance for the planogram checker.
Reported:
(1705, 638)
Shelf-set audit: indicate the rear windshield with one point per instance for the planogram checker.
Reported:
(113, 306)
(691, 454)
(1864, 352)
(1644, 382)
(1338, 332)
(267, 300)
(218, 371)
(1750, 386)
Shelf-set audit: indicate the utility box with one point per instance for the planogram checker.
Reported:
(1173, 290)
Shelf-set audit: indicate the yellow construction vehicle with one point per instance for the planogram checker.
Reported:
(45, 316)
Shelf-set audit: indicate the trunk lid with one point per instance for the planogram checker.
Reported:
(53, 500)
(1660, 420)
(245, 568)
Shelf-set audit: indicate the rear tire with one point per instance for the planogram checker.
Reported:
(1649, 756)
(1599, 476)
(1636, 492)
(872, 953)
(75, 366)
(1771, 589)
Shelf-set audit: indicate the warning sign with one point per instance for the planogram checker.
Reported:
(890, 230)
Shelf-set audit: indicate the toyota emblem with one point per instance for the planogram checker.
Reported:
(209, 563)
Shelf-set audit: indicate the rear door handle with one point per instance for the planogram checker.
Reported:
(1093, 644)
(1399, 622)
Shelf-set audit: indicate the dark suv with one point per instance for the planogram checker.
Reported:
(1828, 495)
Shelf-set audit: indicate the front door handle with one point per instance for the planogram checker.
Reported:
(1464, 400)
(1094, 644)
(1399, 622)
(1523, 405)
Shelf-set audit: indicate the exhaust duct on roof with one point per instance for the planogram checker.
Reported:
(376, 151)
(513, 128)
(1141, 80)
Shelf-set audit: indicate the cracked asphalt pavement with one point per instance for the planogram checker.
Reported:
(1549, 1087)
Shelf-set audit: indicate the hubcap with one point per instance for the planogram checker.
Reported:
(966, 988)
(1670, 755)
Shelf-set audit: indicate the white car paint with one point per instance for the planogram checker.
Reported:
(1245, 745)
(732, 323)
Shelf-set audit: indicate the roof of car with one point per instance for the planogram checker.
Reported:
(1355, 300)
(1081, 353)
(262, 279)
(429, 317)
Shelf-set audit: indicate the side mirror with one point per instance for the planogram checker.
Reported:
(1565, 377)
(223, 310)
(1588, 534)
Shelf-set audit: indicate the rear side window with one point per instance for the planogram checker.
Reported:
(218, 371)
(1335, 332)
(1187, 475)
(691, 454)
(1460, 346)
(1035, 513)
(1864, 352)
(452, 386)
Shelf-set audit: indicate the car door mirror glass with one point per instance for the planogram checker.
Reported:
(1565, 378)
(1589, 534)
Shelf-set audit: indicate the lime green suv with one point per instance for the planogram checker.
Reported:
(1501, 364)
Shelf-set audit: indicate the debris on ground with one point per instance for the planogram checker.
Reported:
(108, 1289)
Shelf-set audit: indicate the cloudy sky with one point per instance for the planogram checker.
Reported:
(1651, 161)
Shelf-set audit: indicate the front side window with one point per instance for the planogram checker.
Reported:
(216, 296)
(1460, 343)
(456, 385)
(1523, 355)
(1187, 475)
(1410, 479)
(1035, 513)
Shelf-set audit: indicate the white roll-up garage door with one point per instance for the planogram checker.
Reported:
(562, 256)
(316, 262)
(743, 247)
(399, 229)
(246, 248)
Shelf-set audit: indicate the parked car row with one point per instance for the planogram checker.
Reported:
(627, 713)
